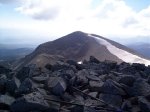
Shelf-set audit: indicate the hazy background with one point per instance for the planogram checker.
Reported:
(31, 22)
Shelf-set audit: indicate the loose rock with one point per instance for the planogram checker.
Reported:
(30, 102)
(56, 85)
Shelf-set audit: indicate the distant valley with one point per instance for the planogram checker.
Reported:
(9, 55)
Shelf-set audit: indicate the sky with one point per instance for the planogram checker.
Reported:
(37, 21)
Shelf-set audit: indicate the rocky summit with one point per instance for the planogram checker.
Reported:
(93, 86)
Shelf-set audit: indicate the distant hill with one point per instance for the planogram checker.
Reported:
(7, 54)
(142, 48)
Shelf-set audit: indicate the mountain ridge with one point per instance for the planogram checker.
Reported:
(80, 46)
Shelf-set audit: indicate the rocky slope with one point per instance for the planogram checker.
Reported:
(67, 86)
(80, 46)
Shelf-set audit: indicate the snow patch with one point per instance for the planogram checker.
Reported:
(80, 62)
(121, 54)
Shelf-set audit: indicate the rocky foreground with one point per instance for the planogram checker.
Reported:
(93, 86)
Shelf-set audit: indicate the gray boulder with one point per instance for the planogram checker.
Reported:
(114, 100)
(89, 109)
(31, 102)
(11, 86)
(93, 60)
(127, 80)
(26, 87)
(140, 88)
(23, 73)
(4, 70)
(76, 108)
(3, 81)
(148, 80)
(56, 85)
(95, 85)
(93, 77)
(41, 78)
(5, 102)
(93, 94)
(7, 85)
(139, 67)
(82, 77)
(126, 106)
(112, 87)
(144, 104)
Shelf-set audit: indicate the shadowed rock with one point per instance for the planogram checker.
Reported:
(4, 70)
(144, 104)
(56, 85)
(111, 87)
(30, 102)
(114, 100)
(140, 88)
(26, 87)
(5, 102)
(67, 86)
(127, 80)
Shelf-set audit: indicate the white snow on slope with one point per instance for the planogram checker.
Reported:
(121, 54)
(80, 62)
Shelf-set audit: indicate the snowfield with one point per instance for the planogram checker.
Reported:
(121, 54)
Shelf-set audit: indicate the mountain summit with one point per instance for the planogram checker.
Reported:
(80, 46)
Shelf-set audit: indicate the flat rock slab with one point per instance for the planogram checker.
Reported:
(95, 85)
(112, 87)
(31, 102)
(40, 79)
(114, 100)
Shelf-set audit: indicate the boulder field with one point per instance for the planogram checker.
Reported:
(67, 86)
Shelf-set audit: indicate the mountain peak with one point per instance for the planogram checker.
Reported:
(78, 32)
(80, 46)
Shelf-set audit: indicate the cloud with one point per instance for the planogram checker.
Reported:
(145, 12)
(39, 13)
(50, 9)
(110, 18)
(130, 21)
(38, 9)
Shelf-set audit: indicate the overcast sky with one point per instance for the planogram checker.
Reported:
(36, 21)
